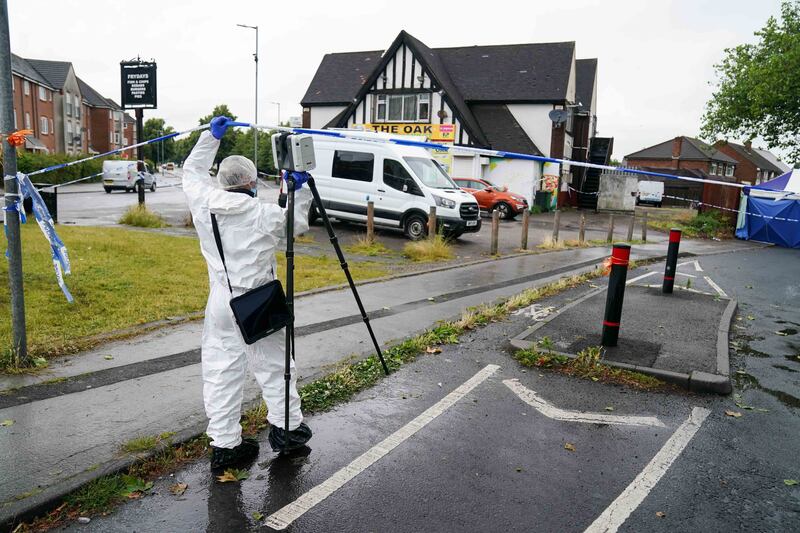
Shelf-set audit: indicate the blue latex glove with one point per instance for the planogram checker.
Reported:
(300, 178)
(219, 125)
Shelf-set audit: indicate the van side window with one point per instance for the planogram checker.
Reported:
(394, 175)
(353, 165)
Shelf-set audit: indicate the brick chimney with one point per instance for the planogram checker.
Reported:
(677, 143)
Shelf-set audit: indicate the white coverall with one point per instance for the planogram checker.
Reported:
(251, 232)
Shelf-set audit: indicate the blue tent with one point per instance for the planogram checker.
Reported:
(770, 211)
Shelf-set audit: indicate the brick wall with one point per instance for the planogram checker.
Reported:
(745, 169)
(36, 109)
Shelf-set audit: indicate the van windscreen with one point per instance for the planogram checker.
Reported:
(430, 173)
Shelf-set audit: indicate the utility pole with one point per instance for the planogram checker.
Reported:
(255, 120)
(19, 342)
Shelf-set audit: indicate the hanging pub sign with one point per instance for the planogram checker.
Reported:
(138, 84)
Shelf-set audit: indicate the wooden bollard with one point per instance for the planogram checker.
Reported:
(644, 227)
(526, 218)
(556, 224)
(582, 229)
(495, 230)
(371, 221)
(610, 236)
(432, 222)
(631, 222)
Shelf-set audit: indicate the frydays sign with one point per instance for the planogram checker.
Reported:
(138, 84)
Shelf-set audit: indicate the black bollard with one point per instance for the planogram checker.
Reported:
(620, 255)
(672, 260)
(140, 191)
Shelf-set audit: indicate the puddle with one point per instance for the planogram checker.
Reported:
(745, 381)
(784, 367)
(787, 322)
(793, 358)
(788, 331)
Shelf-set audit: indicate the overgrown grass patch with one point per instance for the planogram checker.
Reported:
(708, 225)
(365, 246)
(122, 278)
(145, 443)
(585, 365)
(435, 249)
(140, 216)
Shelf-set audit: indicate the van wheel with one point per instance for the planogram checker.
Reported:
(415, 227)
(153, 186)
(107, 189)
(505, 210)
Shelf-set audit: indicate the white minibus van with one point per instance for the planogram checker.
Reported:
(403, 182)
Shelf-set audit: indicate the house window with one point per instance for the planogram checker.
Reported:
(729, 170)
(69, 132)
(356, 166)
(27, 120)
(42, 94)
(403, 107)
(68, 108)
(52, 128)
(111, 137)
(713, 169)
(26, 87)
(116, 138)
(77, 107)
(44, 125)
(15, 119)
(110, 114)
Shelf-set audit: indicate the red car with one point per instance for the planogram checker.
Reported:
(491, 197)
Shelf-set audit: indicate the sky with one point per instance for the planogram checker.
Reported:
(655, 58)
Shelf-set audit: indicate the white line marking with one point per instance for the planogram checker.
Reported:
(715, 287)
(697, 266)
(637, 278)
(687, 275)
(291, 512)
(684, 264)
(635, 493)
(681, 287)
(551, 411)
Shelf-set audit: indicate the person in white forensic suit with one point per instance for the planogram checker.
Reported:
(251, 232)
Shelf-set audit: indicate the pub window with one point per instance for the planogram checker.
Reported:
(403, 107)
(380, 107)
(356, 166)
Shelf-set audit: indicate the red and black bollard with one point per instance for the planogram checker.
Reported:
(620, 255)
(672, 260)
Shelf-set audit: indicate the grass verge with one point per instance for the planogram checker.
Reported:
(549, 244)
(435, 249)
(101, 495)
(586, 365)
(120, 279)
(138, 215)
(708, 225)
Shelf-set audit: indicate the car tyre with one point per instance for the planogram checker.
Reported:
(415, 227)
(107, 189)
(153, 186)
(506, 212)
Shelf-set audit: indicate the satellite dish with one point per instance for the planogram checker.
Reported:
(559, 116)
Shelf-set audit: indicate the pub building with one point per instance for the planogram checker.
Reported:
(498, 97)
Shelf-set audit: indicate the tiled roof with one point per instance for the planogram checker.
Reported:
(22, 67)
(691, 149)
(502, 130)
(754, 157)
(585, 75)
(55, 72)
(92, 97)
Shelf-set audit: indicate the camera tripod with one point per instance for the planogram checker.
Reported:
(290, 183)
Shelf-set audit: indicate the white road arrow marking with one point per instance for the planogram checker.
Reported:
(635, 493)
(551, 411)
(715, 287)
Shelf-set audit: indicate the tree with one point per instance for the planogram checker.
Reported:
(226, 145)
(758, 93)
(160, 151)
(244, 146)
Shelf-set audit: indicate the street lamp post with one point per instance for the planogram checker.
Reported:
(279, 111)
(255, 120)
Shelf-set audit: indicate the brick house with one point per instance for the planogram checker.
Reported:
(752, 168)
(33, 105)
(128, 130)
(106, 121)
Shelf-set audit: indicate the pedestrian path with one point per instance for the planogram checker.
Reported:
(72, 430)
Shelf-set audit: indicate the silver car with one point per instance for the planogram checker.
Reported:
(124, 175)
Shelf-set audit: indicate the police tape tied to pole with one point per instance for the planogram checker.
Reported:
(61, 262)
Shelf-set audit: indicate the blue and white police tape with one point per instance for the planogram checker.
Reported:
(57, 185)
(368, 137)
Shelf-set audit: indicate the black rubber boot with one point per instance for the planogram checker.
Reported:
(297, 438)
(246, 451)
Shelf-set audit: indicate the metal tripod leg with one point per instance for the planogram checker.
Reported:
(343, 263)
(287, 375)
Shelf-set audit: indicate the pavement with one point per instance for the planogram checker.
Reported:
(468, 440)
(69, 422)
(681, 338)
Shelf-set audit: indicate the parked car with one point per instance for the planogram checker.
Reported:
(120, 174)
(491, 197)
(403, 182)
(650, 192)
(170, 166)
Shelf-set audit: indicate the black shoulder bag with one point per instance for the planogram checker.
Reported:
(258, 312)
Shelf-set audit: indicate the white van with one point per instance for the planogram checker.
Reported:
(650, 192)
(402, 181)
(123, 175)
